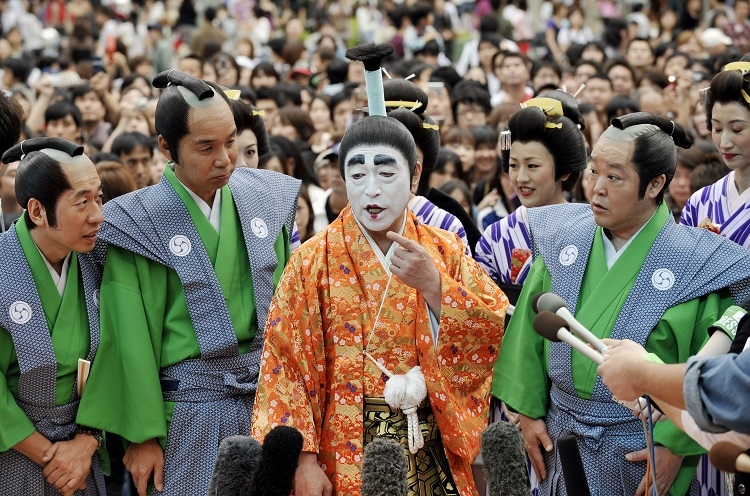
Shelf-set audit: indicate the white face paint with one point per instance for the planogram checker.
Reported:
(378, 186)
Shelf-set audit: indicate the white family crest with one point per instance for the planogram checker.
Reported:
(259, 227)
(568, 255)
(662, 279)
(20, 312)
(180, 245)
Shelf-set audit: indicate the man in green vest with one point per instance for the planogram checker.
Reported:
(626, 270)
(49, 321)
(191, 266)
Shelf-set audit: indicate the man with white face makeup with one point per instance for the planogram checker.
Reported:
(378, 296)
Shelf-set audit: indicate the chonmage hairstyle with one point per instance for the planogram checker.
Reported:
(173, 111)
(565, 144)
(39, 175)
(652, 150)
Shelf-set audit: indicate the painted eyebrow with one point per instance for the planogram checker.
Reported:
(356, 160)
(381, 159)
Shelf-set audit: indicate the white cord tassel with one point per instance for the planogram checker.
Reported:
(407, 392)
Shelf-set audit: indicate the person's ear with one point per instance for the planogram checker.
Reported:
(37, 213)
(164, 147)
(415, 177)
(656, 185)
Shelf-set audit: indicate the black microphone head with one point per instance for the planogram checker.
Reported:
(504, 460)
(535, 301)
(550, 302)
(384, 468)
(281, 449)
(236, 464)
(723, 455)
(572, 466)
(547, 324)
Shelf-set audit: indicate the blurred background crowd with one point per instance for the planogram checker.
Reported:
(81, 70)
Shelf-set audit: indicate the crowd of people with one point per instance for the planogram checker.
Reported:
(321, 215)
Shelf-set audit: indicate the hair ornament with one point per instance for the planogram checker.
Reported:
(258, 112)
(549, 106)
(371, 55)
(579, 90)
(427, 125)
(401, 103)
(743, 67)
(505, 140)
(552, 125)
(233, 94)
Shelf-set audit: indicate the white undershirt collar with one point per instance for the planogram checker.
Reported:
(610, 254)
(213, 213)
(58, 279)
(735, 200)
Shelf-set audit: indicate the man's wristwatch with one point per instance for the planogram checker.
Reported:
(95, 433)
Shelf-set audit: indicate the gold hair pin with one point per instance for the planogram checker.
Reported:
(401, 103)
(233, 94)
(549, 106)
(430, 126)
(258, 112)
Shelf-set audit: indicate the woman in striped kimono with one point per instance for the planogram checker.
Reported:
(724, 207)
(544, 153)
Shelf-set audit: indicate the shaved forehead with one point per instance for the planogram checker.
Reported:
(628, 134)
(64, 158)
(192, 99)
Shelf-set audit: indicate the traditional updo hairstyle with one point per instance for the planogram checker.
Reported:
(378, 130)
(249, 117)
(565, 144)
(726, 88)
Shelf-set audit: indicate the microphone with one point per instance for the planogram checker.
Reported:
(236, 464)
(281, 449)
(572, 466)
(505, 460)
(554, 328)
(728, 457)
(384, 468)
(553, 303)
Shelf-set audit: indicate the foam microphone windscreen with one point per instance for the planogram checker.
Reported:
(728, 457)
(505, 460)
(547, 324)
(236, 464)
(572, 466)
(550, 302)
(281, 449)
(384, 468)
(535, 301)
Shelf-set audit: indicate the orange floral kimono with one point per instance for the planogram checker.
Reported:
(314, 375)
